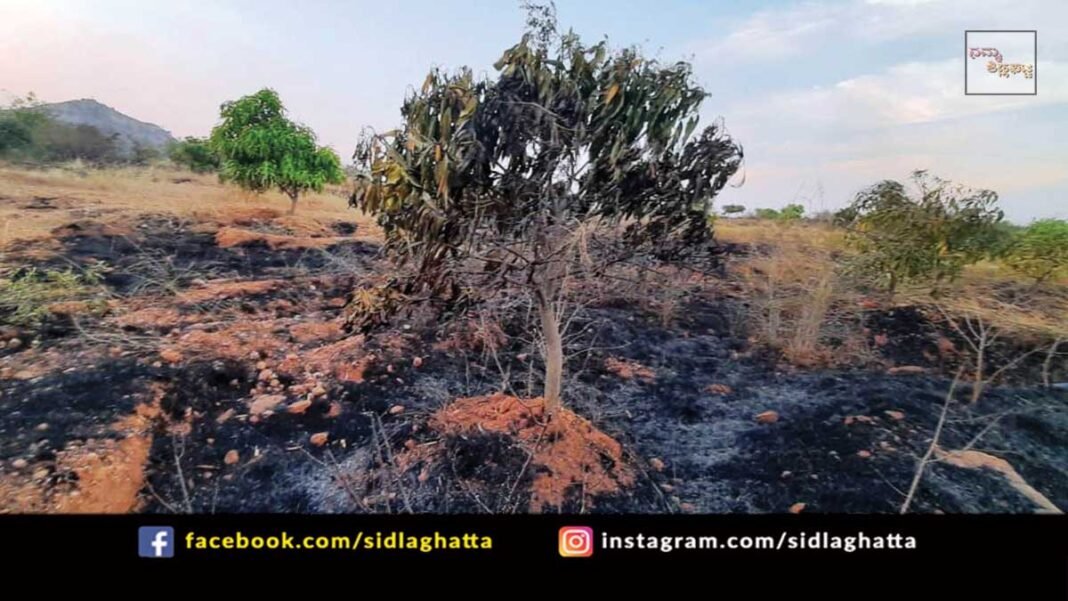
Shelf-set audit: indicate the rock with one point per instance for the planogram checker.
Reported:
(863, 454)
(767, 417)
(657, 464)
(786, 474)
(688, 507)
(667, 488)
(262, 365)
(264, 403)
(848, 420)
(882, 340)
(417, 362)
(170, 355)
(231, 457)
(389, 368)
(40, 474)
(14, 343)
(266, 375)
(299, 407)
(886, 446)
(720, 389)
(522, 357)
(20, 464)
(42, 427)
(906, 370)
(424, 475)
(318, 390)
(335, 410)
(895, 415)
(797, 508)
(255, 356)
(945, 346)
(24, 374)
(319, 438)
(396, 410)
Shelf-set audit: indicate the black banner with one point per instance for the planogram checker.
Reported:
(1030, 549)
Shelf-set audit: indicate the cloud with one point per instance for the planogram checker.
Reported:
(904, 94)
(785, 32)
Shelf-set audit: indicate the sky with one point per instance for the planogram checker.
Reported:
(825, 96)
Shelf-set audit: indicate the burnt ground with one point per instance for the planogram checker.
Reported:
(254, 400)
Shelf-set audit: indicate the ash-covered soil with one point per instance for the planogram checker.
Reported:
(222, 355)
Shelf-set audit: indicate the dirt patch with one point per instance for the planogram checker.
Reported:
(572, 461)
(230, 237)
(629, 370)
(221, 290)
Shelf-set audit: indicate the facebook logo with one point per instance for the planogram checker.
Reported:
(155, 541)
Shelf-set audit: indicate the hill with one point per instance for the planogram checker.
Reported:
(131, 132)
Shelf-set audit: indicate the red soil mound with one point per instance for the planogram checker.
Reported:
(567, 452)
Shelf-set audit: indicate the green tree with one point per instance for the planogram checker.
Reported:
(929, 235)
(573, 156)
(261, 149)
(733, 209)
(19, 123)
(766, 214)
(792, 212)
(1040, 251)
(195, 154)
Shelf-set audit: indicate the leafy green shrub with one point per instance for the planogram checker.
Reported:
(927, 236)
(25, 296)
(733, 209)
(1040, 251)
(770, 214)
(261, 149)
(792, 212)
(195, 154)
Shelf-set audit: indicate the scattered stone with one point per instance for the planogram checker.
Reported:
(797, 508)
(885, 446)
(299, 407)
(767, 417)
(42, 427)
(14, 343)
(20, 464)
(720, 389)
(786, 474)
(848, 420)
(262, 365)
(688, 507)
(417, 362)
(667, 487)
(157, 365)
(319, 438)
(231, 457)
(170, 355)
(266, 375)
(396, 410)
(882, 340)
(657, 464)
(255, 356)
(522, 357)
(906, 370)
(424, 475)
(40, 474)
(265, 403)
(389, 368)
(318, 390)
(895, 415)
(863, 454)
(335, 410)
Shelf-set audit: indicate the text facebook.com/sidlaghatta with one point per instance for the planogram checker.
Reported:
(378, 541)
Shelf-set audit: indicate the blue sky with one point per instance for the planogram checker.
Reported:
(826, 96)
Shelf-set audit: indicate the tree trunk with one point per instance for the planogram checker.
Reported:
(554, 355)
(293, 201)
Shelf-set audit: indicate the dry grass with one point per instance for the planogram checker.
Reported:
(798, 298)
(119, 195)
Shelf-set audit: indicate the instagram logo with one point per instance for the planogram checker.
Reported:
(576, 541)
